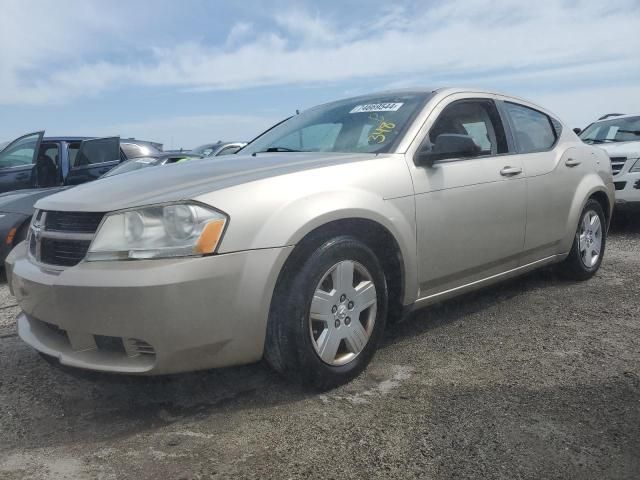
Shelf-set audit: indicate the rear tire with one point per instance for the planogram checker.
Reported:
(588, 248)
(328, 313)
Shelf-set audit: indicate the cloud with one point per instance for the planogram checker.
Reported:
(548, 42)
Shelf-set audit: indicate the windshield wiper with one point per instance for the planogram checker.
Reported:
(278, 149)
(597, 140)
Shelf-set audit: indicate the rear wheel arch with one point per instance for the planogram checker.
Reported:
(602, 198)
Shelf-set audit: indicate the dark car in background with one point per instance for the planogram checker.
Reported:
(36, 161)
(34, 166)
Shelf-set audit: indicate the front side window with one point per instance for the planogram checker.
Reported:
(625, 129)
(533, 130)
(21, 152)
(369, 124)
(477, 119)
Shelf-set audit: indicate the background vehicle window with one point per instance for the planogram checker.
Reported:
(625, 129)
(134, 150)
(533, 130)
(73, 152)
(50, 150)
(228, 151)
(478, 119)
(20, 153)
(98, 150)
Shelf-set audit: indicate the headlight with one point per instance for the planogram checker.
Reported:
(636, 167)
(161, 231)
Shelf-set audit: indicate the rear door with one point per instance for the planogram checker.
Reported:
(94, 158)
(18, 162)
(553, 175)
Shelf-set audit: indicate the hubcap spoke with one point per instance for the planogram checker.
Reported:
(328, 344)
(582, 242)
(356, 337)
(321, 306)
(365, 295)
(343, 277)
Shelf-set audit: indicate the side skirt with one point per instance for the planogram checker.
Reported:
(452, 292)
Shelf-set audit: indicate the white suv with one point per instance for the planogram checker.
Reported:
(620, 138)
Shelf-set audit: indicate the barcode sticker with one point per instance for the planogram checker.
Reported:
(377, 107)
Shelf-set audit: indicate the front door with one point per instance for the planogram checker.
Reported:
(94, 158)
(18, 162)
(470, 212)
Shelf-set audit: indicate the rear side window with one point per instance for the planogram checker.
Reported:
(534, 131)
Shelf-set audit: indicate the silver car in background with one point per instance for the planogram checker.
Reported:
(620, 138)
(300, 248)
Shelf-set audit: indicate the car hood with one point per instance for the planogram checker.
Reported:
(622, 149)
(184, 181)
(23, 201)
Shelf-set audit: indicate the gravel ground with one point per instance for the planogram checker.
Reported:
(535, 378)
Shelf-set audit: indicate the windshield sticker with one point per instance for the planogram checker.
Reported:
(377, 107)
(379, 134)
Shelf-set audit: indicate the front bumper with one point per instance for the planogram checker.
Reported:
(627, 190)
(148, 316)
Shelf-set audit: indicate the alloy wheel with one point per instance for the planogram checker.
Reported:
(590, 238)
(343, 313)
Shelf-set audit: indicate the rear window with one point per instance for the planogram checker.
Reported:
(534, 131)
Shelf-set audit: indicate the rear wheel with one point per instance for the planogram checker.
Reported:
(587, 251)
(328, 314)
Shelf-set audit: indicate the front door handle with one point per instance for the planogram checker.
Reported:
(510, 171)
(571, 162)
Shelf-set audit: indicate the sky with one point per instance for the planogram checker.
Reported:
(197, 71)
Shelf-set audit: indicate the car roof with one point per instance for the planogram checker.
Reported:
(65, 139)
(617, 117)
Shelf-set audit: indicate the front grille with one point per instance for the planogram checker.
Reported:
(617, 163)
(620, 185)
(65, 253)
(76, 222)
(62, 239)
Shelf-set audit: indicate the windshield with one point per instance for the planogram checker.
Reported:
(615, 130)
(370, 124)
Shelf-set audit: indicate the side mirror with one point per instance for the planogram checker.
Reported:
(577, 131)
(448, 145)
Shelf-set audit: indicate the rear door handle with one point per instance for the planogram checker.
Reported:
(571, 162)
(510, 171)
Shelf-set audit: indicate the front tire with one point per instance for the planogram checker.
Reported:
(587, 251)
(328, 313)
